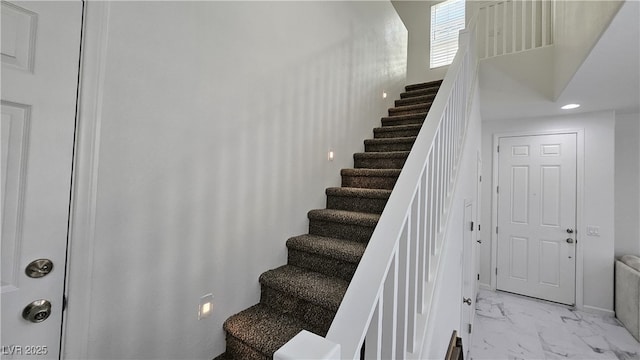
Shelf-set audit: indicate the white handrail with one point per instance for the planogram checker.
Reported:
(390, 295)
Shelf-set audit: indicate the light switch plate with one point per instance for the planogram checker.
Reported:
(593, 230)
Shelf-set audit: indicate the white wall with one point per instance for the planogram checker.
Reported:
(598, 195)
(448, 293)
(215, 119)
(579, 25)
(416, 16)
(627, 184)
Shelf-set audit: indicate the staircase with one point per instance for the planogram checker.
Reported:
(306, 293)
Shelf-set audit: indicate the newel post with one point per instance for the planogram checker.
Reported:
(309, 346)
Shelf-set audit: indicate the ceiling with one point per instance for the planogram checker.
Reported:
(609, 78)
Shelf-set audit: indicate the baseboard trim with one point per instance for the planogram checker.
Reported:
(598, 310)
(484, 286)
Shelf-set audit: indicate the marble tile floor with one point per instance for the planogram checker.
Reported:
(508, 326)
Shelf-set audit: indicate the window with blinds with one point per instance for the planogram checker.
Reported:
(447, 19)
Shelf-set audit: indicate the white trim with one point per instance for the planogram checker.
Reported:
(85, 181)
(598, 310)
(484, 286)
(579, 285)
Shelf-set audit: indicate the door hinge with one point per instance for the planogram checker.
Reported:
(469, 328)
(64, 302)
(497, 189)
(478, 276)
(471, 226)
(480, 178)
(496, 229)
(496, 271)
(498, 149)
(479, 227)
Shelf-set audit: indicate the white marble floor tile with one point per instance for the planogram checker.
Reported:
(509, 326)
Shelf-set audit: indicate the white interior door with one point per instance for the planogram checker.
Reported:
(478, 217)
(468, 276)
(537, 216)
(40, 59)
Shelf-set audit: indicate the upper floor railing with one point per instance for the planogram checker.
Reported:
(389, 300)
(511, 26)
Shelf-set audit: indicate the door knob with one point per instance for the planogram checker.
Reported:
(38, 311)
(570, 240)
(569, 231)
(479, 241)
(38, 268)
(466, 301)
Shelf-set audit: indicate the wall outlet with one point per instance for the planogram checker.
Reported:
(205, 308)
(593, 230)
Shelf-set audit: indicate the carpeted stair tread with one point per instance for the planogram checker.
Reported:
(409, 109)
(370, 178)
(327, 255)
(416, 100)
(405, 119)
(340, 249)
(325, 291)
(372, 145)
(263, 329)
(381, 155)
(358, 192)
(360, 199)
(380, 160)
(371, 172)
(386, 132)
(420, 92)
(422, 85)
(345, 217)
(223, 356)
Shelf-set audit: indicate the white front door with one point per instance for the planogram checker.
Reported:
(40, 60)
(537, 216)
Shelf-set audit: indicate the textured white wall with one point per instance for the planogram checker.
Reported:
(598, 209)
(579, 24)
(627, 182)
(216, 122)
(448, 293)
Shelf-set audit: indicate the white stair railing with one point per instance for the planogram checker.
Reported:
(389, 299)
(512, 26)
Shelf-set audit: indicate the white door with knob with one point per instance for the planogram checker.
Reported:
(536, 251)
(468, 275)
(40, 61)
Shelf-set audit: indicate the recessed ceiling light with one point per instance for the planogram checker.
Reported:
(570, 106)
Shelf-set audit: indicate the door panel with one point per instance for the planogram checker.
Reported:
(550, 195)
(520, 194)
(536, 205)
(40, 59)
(549, 262)
(519, 258)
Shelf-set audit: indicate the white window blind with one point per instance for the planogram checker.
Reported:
(447, 19)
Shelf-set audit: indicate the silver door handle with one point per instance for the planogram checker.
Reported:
(37, 311)
(570, 240)
(38, 268)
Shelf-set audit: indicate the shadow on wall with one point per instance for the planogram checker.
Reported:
(213, 149)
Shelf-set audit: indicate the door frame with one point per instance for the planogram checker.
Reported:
(579, 132)
(81, 241)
